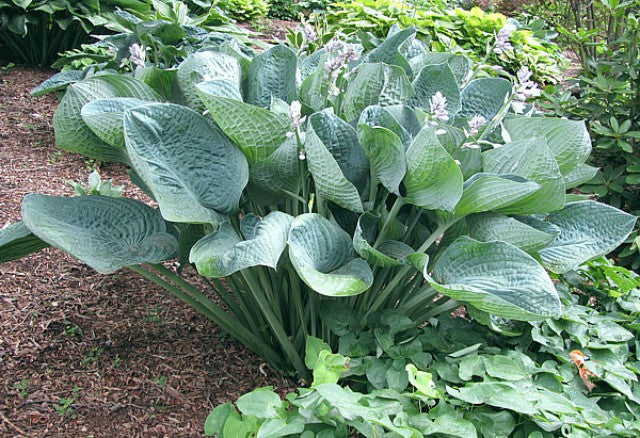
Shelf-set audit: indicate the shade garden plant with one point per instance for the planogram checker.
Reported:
(299, 186)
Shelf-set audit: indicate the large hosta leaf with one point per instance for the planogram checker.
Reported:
(105, 233)
(322, 254)
(568, 140)
(433, 79)
(377, 116)
(192, 168)
(583, 173)
(73, 134)
(487, 227)
(205, 66)
(484, 97)
(58, 82)
(375, 84)
(105, 117)
(279, 173)
(486, 192)
(272, 73)
(330, 182)
(17, 241)
(496, 277)
(223, 252)
(532, 160)
(341, 140)
(433, 179)
(388, 51)
(388, 253)
(257, 132)
(386, 155)
(587, 230)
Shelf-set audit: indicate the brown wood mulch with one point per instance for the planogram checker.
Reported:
(90, 355)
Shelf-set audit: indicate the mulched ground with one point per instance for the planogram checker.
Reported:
(84, 354)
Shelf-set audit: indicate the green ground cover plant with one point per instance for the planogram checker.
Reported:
(370, 180)
(458, 378)
(489, 38)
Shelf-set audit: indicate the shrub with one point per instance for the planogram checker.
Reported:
(607, 93)
(244, 10)
(568, 377)
(360, 180)
(473, 31)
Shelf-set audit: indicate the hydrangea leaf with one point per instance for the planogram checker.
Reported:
(322, 255)
(105, 233)
(192, 168)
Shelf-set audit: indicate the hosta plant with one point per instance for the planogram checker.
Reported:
(369, 180)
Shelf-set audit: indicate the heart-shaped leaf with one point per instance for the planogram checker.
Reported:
(436, 78)
(322, 255)
(496, 277)
(433, 179)
(487, 227)
(17, 241)
(105, 233)
(587, 230)
(105, 117)
(386, 155)
(484, 97)
(272, 73)
(485, 192)
(388, 253)
(223, 252)
(192, 168)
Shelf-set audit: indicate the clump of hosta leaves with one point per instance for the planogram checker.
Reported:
(96, 186)
(390, 178)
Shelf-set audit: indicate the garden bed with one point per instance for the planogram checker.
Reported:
(83, 354)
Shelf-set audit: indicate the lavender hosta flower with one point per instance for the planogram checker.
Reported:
(295, 116)
(438, 108)
(309, 33)
(525, 90)
(333, 46)
(503, 39)
(350, 52)
(476, 122)
(138, 55)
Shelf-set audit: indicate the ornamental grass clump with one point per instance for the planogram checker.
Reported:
(399, 182)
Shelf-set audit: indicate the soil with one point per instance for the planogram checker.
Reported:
(90, 355)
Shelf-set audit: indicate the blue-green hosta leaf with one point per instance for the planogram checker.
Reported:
(484, 97)
(587, 230)
(17, 241)
(496, 277)
(341, 140)
(386, 155)
(406, 116)
(192, 168)
(223, 252)
(219, 87)
(387, 52)
(161, 80)
(73, 134)
(388, 253)
(436, 78)
(453, 139)
(568, 140)
(105, 233)
(58, 82)
(375, 84)
(205, 66)
(460, 65)
(322, 254)
(487, 227)
(257, 131)
(530, 159)
(486, 192)
(375, 115)
(105, 117)
(433, 179)
(272, 73)
(583, 173)
(312, 90)
(270, 178)
(330, 182)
